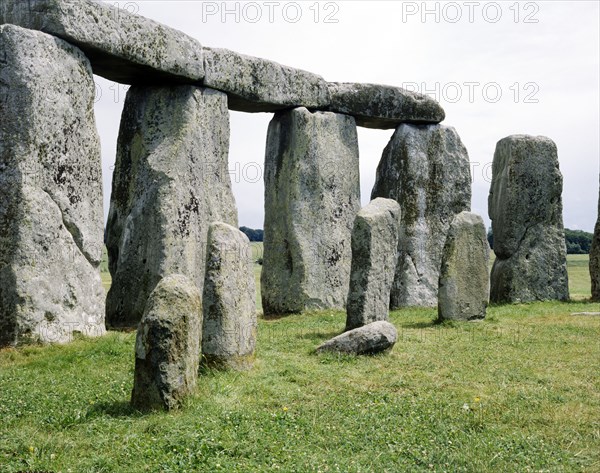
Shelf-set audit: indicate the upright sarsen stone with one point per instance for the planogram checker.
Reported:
(374, 248)
(525, 206)
(595, 259)
(229, 300)
(426, 170)
(312, 195)
(464, 290)
(51, 219)
(170, 181)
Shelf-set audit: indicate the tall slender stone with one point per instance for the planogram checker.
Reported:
(464, 290)
(595, 259)
(426, 170)
(51, 219)
(312, 195)
(374, 247)
(229, 300)
(525, 207)
(170, 181)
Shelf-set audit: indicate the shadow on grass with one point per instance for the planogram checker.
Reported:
(116, 409)
(420, 325)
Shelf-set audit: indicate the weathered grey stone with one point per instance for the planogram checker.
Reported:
(121, 46)
(51, 219)
(229, 331)
(312, 195)
(383, 106)
(374, 248)
(464, 289)
(170, 181)
(259, 85)
(426, 170)
(595, 259)
(525, 207)
(366, 340)
(167, 347)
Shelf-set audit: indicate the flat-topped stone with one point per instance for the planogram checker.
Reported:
(121, 46)
(383, 106)
(259, 85)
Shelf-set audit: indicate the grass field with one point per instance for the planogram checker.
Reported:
(517, 392)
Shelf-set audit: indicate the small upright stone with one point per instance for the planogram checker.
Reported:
(374, 247)
(426, 170)
(229, 330)
(167, 348)
(312, 194)
(525, 206)
(595, 259)
(464, 278)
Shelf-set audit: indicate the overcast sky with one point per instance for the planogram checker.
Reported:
(498, 68)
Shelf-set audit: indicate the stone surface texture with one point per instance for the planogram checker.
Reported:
(312, 195)
(426, 170)
(374, 248)
(525, 207)
(167, 348)
(51, 219)
(121, 46)
(369, 339)
(259, 85)
(383, 106)
(170, 182)
(229, 300)
(464, 288)
(595, 259)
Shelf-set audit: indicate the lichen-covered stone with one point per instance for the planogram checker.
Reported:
(383, 106)
(595, 259)
(374, 248)
(259, 85)
(464, 288)
(426, 170)
(51, 219)
(170, 182)
(525, 207)
(121, 46)
(167, 347)
(369, 339)
(312, 195)
(229, 327)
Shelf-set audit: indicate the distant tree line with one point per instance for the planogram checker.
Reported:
(578, 242)
(253, 235)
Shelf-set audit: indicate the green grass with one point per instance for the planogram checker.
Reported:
(517, 392)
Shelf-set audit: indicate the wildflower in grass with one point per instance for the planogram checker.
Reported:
(285, 409)
(477, 399)
(31, 449)
(466, 407)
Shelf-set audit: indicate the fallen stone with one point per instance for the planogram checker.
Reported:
(167, 348)
(426, 170)
(595, 259)
(170, 182)
(525, 207)
(374, 247)
(51, 218)
(366, 340)
(464, 288)
(229, 327)
(312, 195)
(259, 85)
(383, 106)
(121, 46)
(588, 314)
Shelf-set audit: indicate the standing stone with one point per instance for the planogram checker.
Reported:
(312, 195)
(229, 300)
(426, 170)
(595, 259)
(167, 347)
(51, 219)
(525, 207)
(374, 247)
(464, 289)
(170, 181)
